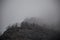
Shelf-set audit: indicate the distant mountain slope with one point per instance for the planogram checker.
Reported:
(34, 20)
(42, 22)
(29, 31)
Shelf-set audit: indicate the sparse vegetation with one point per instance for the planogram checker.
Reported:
(28, 31)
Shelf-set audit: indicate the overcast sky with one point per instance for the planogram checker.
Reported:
(13, 11)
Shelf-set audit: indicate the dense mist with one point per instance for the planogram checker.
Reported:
(13, 11)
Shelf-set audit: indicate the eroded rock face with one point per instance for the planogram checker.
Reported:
(28, 31)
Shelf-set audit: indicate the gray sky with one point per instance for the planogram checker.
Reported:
(17, 10)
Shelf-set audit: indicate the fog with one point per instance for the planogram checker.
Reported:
(13, 11)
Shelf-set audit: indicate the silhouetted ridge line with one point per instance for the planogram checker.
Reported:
(28, 31)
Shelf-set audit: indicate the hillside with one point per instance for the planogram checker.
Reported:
(28, 31)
